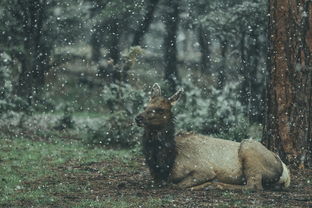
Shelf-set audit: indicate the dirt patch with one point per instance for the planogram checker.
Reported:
(104, 181)
(298, 195)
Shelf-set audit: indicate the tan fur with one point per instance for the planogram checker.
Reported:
(202, 159)
(284, 179)
(196, 161)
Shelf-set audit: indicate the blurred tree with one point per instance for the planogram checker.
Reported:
(199, 10)
(251, 25)
(31, 30)
(96, 42)
(239, 28)
(114, 23)
(222, 69)
(204, 44)
(171, 20)
(97, 31)
(145, 22)
(5, 79)
(8, 101)
(25, 23)
(288, 123)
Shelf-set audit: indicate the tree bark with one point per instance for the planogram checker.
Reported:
(288, 122)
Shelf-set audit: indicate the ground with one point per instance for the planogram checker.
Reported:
(65, 172)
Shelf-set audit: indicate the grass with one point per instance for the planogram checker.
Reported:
(46, 168)
(40, 173)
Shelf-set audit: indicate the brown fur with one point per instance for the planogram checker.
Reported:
(196, 161)
(159, 149)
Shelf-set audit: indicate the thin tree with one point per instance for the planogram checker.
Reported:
(170, 45)
(147, 20)
(203, 40)
(34, 58)
(288, 123)
(31, 30)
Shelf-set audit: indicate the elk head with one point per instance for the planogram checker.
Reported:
(157, 113)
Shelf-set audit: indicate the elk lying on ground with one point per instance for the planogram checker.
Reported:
(197, 161)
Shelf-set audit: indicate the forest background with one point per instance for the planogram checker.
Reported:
(74, 73)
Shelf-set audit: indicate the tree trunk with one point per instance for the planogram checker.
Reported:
(221, 75)
(250, 88)
(147, 20)
(114, 52)
(96, 44)
(204, 49)
(288, 122)
(245, 92)
(41, 51)
(256, 101)
(170, 45)
(24, 86)
(35, 57)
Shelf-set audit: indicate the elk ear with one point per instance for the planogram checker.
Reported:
(156, 91)
(174, 98)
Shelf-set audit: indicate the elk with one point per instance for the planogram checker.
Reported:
(195, 161)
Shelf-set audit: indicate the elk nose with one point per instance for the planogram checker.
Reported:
(139, 119)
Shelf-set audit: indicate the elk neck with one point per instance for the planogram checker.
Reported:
(159, 149)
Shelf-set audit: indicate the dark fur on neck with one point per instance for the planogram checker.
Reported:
(159, 149)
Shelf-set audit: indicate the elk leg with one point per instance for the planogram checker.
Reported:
(254, 181)
(195, 178)
(252, 165)
(217, 185)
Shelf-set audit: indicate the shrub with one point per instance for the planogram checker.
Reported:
(213, 111)
(8, 101)
(236, 132)
(66, 122)
(118, 129)
(123, 97)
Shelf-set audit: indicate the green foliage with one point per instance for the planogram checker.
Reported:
(122, 97)
(5, 79)
(5, 83)
(213, 111)
(237, 132)
(44, 104)
(229, 20)
(120, 9)
(119, 129)
(113, 19)
(39, 173)
(59, 21)
(30, 32)
(66, 122)
(8, 101)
